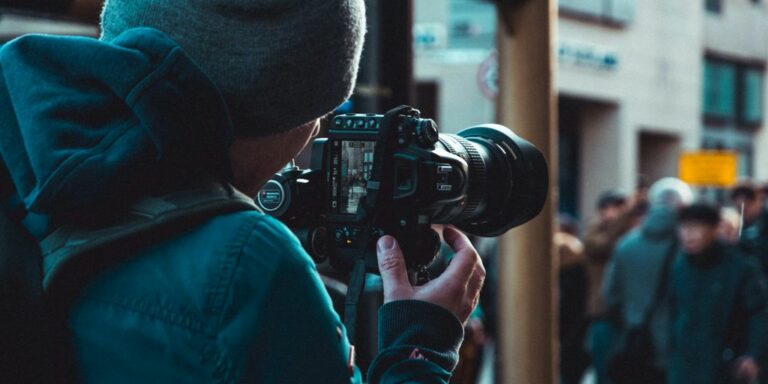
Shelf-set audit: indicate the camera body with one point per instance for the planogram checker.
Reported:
(395, 175)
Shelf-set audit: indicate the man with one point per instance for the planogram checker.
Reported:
(178, 93)
(636, 267)
(718, 303)
(754, 234)
(599, 239)
(614, 219)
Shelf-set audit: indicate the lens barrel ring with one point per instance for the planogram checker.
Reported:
(477, 172)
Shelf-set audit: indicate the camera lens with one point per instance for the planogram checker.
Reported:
(507, 180)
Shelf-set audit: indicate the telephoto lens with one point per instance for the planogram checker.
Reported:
(508, 180)
(396, 174)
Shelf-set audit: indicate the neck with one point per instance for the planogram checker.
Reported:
(707, 257)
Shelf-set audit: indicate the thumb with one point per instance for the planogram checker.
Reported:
(394, 275)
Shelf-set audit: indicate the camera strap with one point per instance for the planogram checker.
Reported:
(379, 191)
(352, 299)
(380, 186)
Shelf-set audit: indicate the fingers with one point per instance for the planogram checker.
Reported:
(464, 277)
(476, 281)
(456, 239)
(394, 274)
(747, 368)
(466, 258)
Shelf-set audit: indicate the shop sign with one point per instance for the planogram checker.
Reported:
(430, 35)
(581, 54)
(709, 168)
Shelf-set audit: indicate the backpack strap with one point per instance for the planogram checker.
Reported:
(23, 322)
(661, 285)
(72, 255)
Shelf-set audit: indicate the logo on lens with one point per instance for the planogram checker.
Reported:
(271, 197)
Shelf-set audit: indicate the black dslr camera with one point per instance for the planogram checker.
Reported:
(395, 174)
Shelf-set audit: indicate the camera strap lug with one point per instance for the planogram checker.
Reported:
(422, 275)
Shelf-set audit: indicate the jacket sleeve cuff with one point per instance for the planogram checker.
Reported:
(413, 329)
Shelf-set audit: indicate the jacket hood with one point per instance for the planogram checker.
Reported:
(660, 223)
(85, 123)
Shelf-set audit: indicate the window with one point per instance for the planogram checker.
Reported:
(746, 159)
(739, 141)
(611, 11)
(472, 24)
(589, 7)
(733, 93)
(714, 6)
(719, 89)
(752, 97)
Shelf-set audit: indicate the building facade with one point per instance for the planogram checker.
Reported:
(734, 59)
(638, 83)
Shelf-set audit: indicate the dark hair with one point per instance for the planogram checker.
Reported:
(6, 184)
(568, 223)
(611, 198)
(700, 212)
(747, 191)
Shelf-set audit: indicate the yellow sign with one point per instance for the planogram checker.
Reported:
(709, 168)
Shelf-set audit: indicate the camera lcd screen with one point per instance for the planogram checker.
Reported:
(355, 170)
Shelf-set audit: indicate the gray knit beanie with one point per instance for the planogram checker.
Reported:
(278, 63)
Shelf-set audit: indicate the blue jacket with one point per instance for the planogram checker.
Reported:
(633, 275)
(86, 128)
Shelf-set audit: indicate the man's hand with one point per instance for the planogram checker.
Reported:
(457, 289)
(747, 369)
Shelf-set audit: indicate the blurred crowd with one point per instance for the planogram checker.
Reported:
(660, 287)
(663, 288)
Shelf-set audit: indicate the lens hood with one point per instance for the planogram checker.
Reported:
(518, 181)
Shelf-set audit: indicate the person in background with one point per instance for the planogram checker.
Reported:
(639, 202)
(614, 219)
(636, 266)
(718, 303)
(572, 299)
(730, 224)
(599, 239)
(748, 198)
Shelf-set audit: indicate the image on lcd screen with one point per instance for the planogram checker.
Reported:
(356, 165)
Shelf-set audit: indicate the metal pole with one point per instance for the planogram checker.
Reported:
(527, 104)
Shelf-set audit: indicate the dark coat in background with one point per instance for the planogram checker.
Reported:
(718, 314)
(754, 240)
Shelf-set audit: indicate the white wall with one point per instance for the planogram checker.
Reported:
(656, 86)
(461, 102)
(603, 165)
(741, 29)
